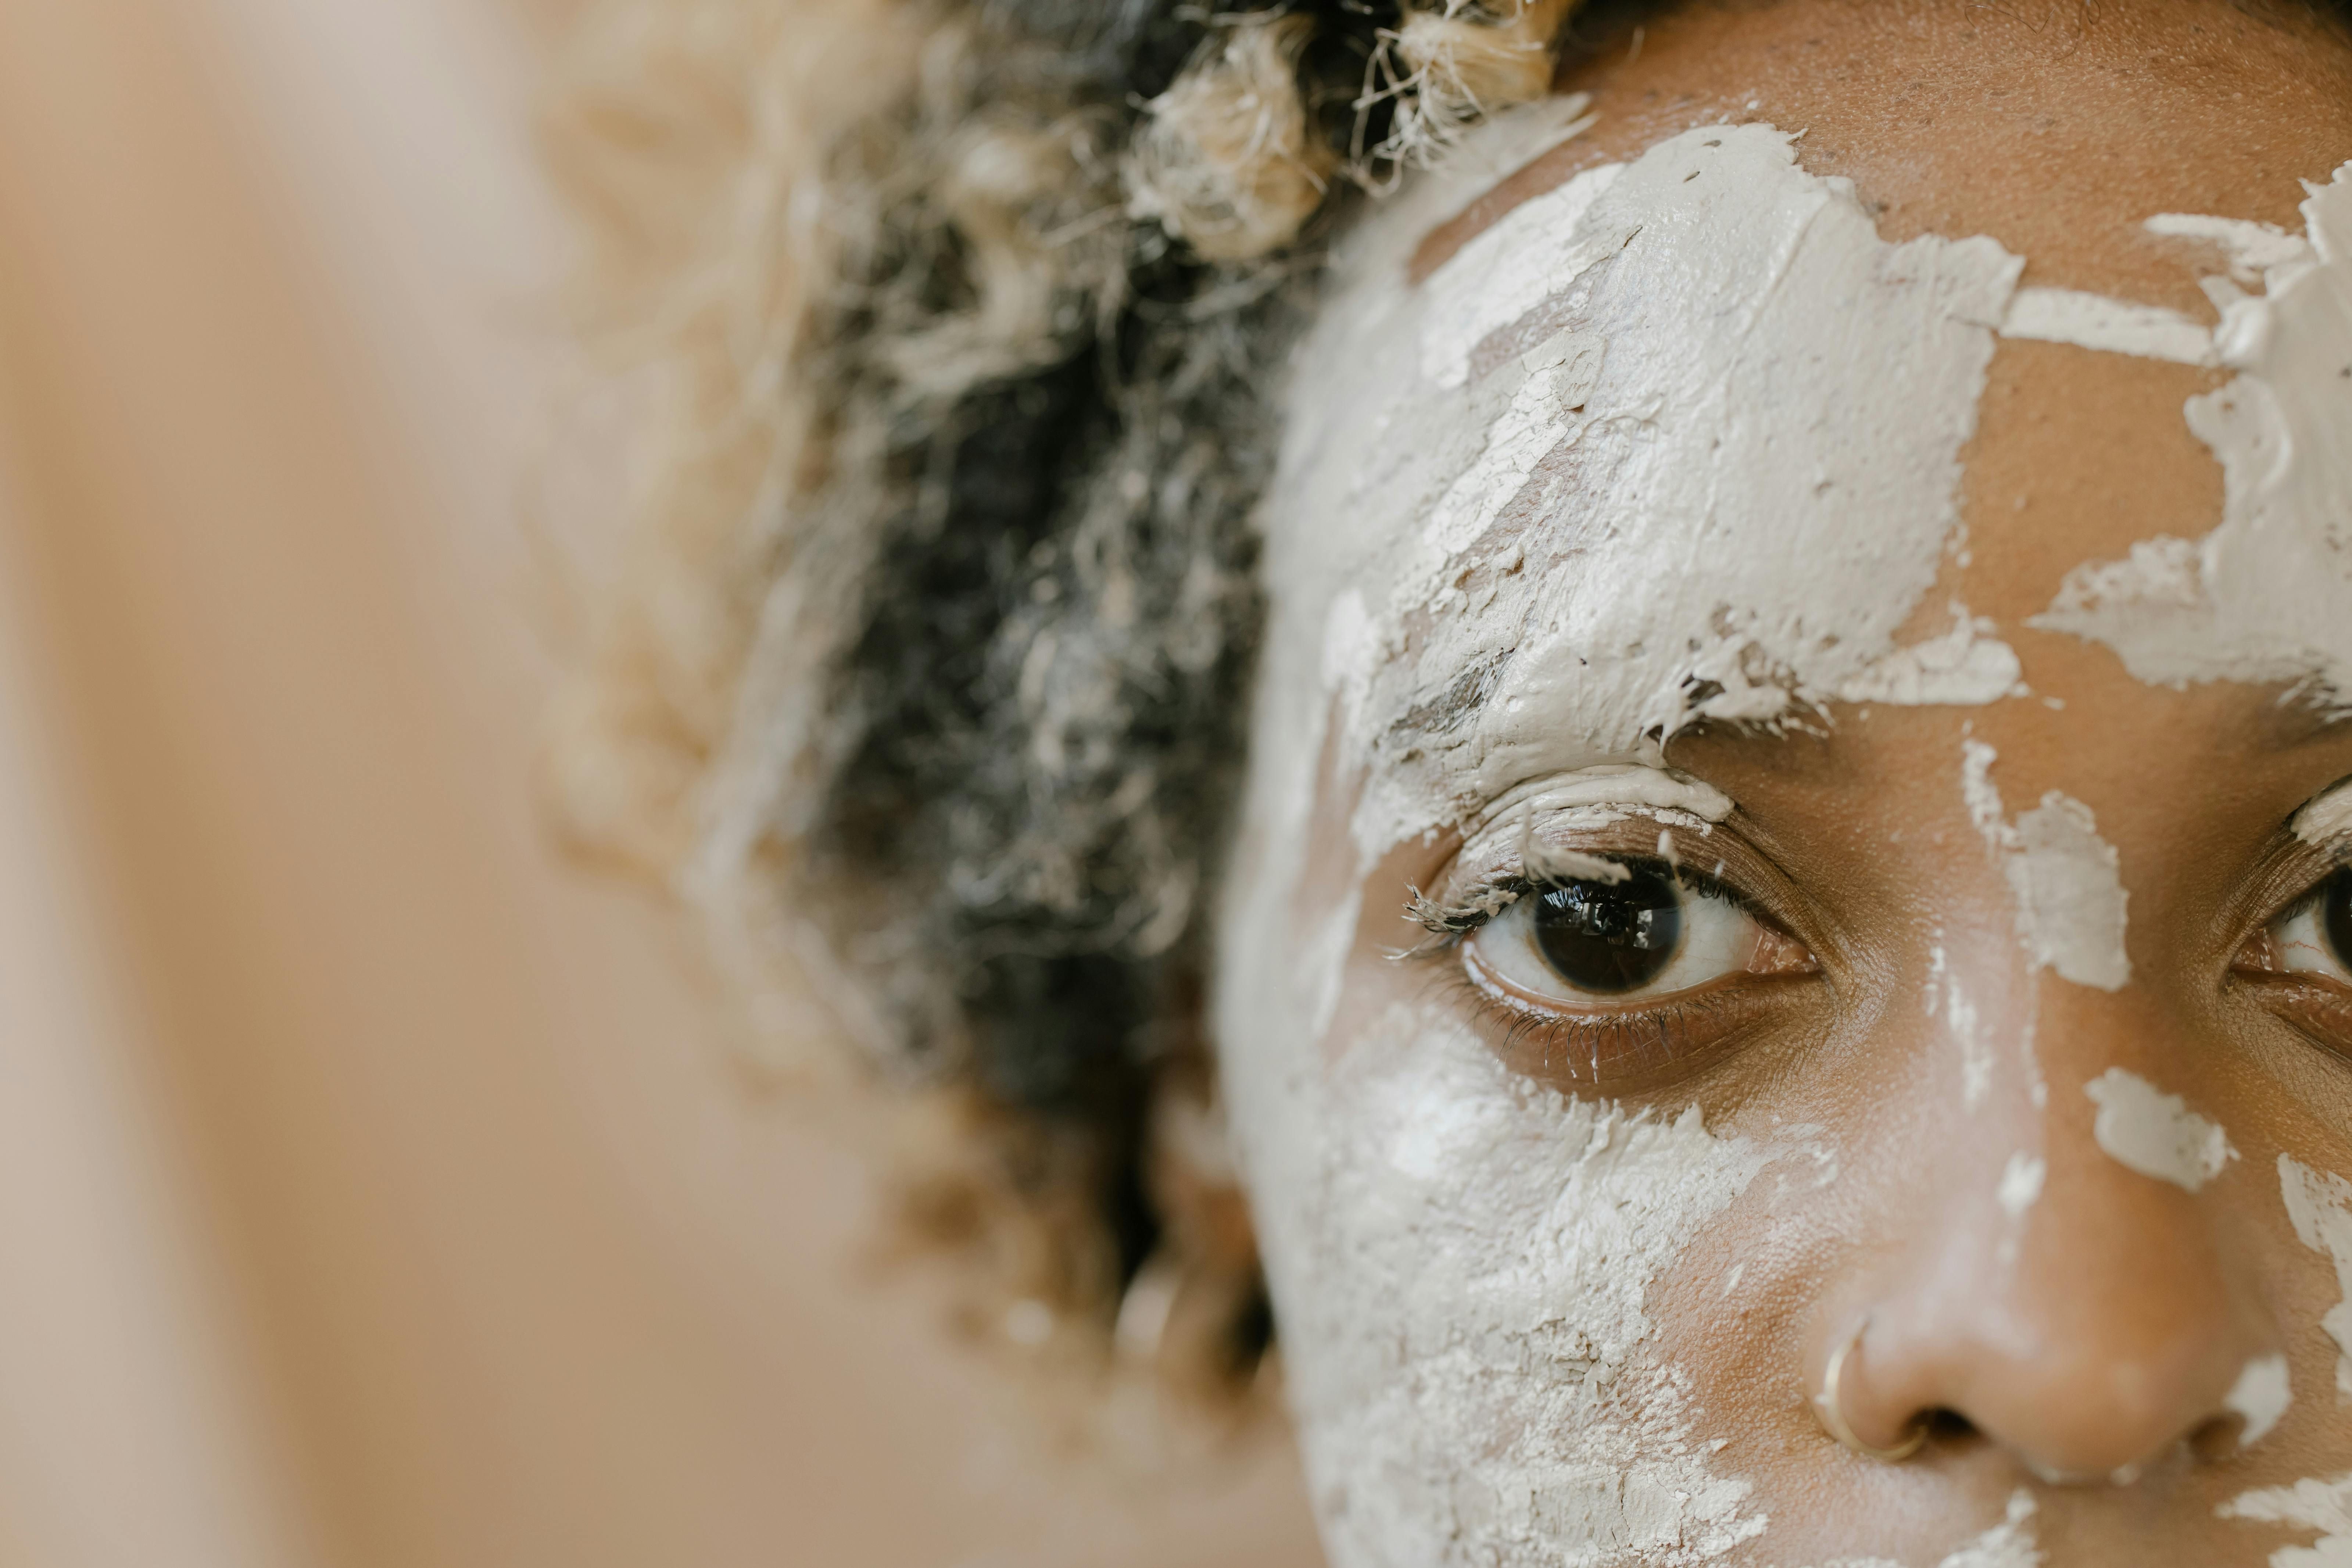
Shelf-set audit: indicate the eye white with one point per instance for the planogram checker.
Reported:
(2299, 938)
(1718, 938)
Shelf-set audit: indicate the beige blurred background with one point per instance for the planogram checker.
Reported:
(375, 1189)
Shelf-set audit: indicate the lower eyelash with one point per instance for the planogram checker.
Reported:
(1584, 1050)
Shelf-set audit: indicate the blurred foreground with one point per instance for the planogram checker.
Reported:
(373, 1189)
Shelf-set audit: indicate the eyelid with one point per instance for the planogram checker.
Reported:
(1466, 911)
(2324, 821)
(1595, 795)
(1706, 858)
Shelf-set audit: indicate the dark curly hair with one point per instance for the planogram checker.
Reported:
(927, 678)
(1047, 702)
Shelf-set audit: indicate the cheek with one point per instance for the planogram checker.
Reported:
(1460, 1265)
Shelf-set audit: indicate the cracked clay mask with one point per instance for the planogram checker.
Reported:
(1679, 438)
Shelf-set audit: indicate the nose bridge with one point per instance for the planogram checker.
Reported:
(2068, 1288)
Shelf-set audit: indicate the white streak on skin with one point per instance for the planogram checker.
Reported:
(2156, 1133)
(2067, 882)
(1325, 965)
(1351, 648)
(2113, 326)
(2261, 1395)
(2260, 598)
(2327, 819)
(2253, 247)
(2309, 1504)
(1981, 795)
(2319, 1205)
(2021, 1183)
(2070, 894)
(2009, 1544)
(2036, 1089)
(1803, 1141)
(1967, 667)
(1574, 865)
(1967, 1027)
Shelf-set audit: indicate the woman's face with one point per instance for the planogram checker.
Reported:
(1790, 817)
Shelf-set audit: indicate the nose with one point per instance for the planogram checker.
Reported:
(2089, 1331)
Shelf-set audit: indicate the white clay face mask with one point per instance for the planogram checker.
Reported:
(2261, 598)
(1701, 463)
(1679, 439)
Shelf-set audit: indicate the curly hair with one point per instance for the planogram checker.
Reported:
(924, 683)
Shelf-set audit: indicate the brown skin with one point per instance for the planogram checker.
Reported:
(2132, 1305)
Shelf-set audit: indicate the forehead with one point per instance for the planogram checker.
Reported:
(1675, 437)
(1683, 439)
(2052, 125)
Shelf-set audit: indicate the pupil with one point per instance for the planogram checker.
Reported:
(1619, 936)
(2335, 916)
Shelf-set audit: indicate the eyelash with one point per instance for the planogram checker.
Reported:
(1554, 1036)
(1449, 924)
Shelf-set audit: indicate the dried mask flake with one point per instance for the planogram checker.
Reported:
(2140, 1126)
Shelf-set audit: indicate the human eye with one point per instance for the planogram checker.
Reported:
(1633, 930)
(2301, 962)
(2314, 934)
(1618, 973)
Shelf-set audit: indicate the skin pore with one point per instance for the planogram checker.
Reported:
(1613, 1250)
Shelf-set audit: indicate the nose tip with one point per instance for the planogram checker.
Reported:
(2105, 1416)
(2069, 1407)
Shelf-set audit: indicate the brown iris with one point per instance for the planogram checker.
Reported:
(1609, 938)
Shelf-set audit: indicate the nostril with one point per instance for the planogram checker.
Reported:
(1946, 1425)
(2221, 1437)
